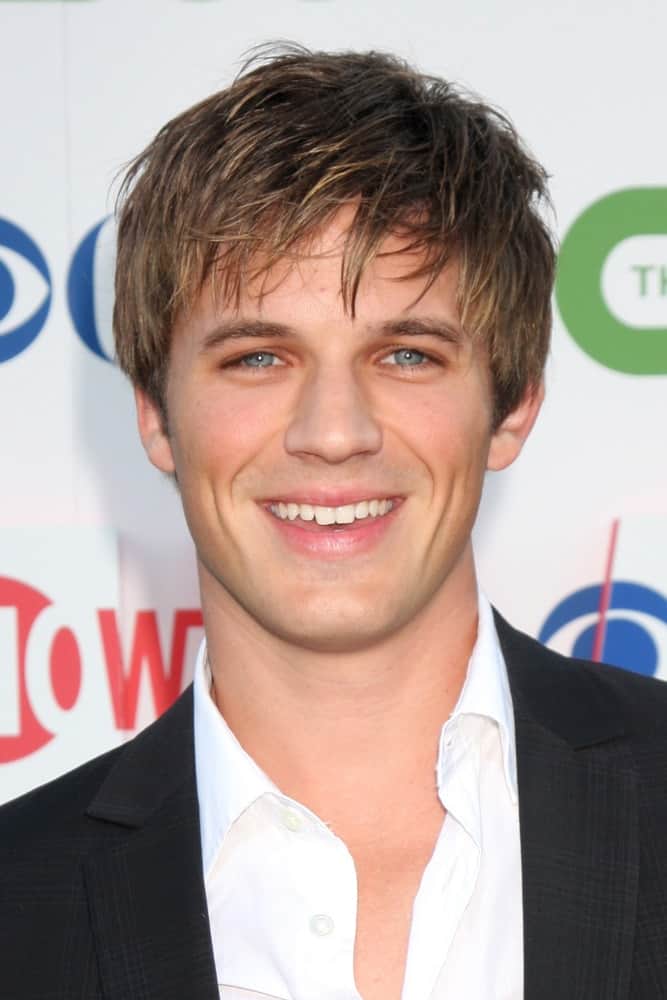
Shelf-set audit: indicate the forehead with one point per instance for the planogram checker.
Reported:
(310, 282)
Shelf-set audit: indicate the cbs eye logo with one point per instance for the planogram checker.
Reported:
(26, 289)
(633, 631)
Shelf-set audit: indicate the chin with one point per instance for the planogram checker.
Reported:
(341, 641)
(335, 630)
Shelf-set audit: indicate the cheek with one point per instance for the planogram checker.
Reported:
(447, 434)
(219, 434)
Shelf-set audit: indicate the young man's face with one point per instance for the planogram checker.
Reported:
(287, 407)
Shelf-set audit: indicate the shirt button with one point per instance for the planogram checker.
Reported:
(321, 924)
(292, 820)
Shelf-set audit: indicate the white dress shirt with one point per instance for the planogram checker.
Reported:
(281, 888)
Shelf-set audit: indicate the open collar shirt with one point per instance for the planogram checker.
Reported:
(281, 887)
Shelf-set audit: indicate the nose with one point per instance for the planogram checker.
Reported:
(332, 419)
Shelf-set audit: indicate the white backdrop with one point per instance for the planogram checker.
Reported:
(98, 595)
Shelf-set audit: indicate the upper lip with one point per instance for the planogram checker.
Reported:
(332, 498)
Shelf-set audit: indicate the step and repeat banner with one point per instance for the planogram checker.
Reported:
(99, 617)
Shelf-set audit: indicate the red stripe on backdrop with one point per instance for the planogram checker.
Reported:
(605, 595)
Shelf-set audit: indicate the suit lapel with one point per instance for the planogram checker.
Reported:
(578, 819)
(145, 888)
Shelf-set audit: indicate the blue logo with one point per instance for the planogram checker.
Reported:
(629, 636)
(24, 276)
(90, 290)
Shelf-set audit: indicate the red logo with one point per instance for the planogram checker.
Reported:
(22, 732)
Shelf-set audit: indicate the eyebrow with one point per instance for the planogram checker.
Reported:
(425, 327)
(241, 329)
(407, 327)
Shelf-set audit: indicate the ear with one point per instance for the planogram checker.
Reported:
(509, 437)
(152, 432)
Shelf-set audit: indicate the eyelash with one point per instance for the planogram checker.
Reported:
(427, 359)
(238, 362)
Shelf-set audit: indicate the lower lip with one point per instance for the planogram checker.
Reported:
(330, 543)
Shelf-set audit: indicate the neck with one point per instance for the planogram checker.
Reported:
(326, 727)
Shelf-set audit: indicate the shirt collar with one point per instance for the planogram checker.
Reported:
(229, 781)
(486, 693)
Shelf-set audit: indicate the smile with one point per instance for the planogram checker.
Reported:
(346, 514)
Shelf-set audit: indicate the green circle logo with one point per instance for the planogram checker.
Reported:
(611, 286)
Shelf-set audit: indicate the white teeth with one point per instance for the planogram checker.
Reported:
(325, 515)
(345, 514)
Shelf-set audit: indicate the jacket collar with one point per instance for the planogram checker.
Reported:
(578, 810)
(145, 888)
(149, 769)
(566, 697)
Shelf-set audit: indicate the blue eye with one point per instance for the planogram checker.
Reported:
(260, 359)
(25, 290)
(407, 357)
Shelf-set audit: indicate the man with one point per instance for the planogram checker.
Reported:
(333, 290)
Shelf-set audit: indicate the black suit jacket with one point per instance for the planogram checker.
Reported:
(102, 896)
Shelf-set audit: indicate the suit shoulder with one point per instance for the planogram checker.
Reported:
(637, 691)
(58, 806)
(131, 779)
(583, 690)
(644, 699)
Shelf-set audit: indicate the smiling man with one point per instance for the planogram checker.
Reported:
(333, 300)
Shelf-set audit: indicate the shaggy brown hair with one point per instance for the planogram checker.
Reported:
(255, 170)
